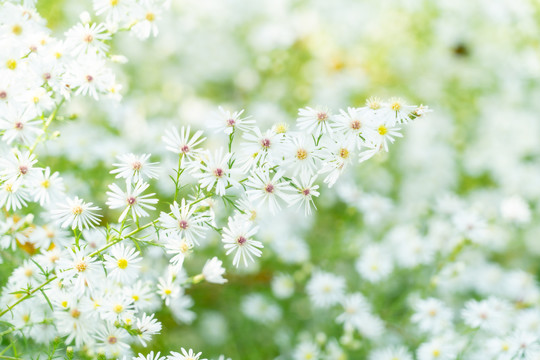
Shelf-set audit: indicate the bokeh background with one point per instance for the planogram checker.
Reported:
(475, 63)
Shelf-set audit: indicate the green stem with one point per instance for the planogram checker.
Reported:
(46, 126)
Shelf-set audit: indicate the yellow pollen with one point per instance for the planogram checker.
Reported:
(122, 263)
(436, 353)
(135, 298)
(118, 308)
(254, 155)
(301, 154)
(382, 130)
(11, 64)
(77, 210)
(308, 356)
(28, 272)
(167, 291)
(35, 99)
(432, 312)
(253, 215)
(396, 106)
(281, 128)
(17, 29)
(184, 247)
(374, 103)
(58, 55)
(96, 305)
(9, 187)
(18, 296)
(505, 347)
(26, 318)
(81, 266)
(45, 184)
(344, 153)
(114, 2)
(64, 303)
(75, 313)
(150, 16)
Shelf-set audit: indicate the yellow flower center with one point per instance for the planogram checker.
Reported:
(150, 16)
(167, 291)
(135, 298)
(9, 187)
(114, 2)
(45, 184)
(395, 106)
(301, 154)
(11, 64)
(64, 303)
(436, 353)
(77, 210)
(122, 263)
(75, 313)
(382, 130)
(281, 128)
(344, 153)
(81, 266)
(26, 318)
(118, 308)
(17, 29)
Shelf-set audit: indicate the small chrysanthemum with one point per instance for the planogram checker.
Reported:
(77, 214)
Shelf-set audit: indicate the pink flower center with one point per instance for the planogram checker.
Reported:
(89, 78)
(241, 240)
(112, 340)
(269, 188)
(23, 169)
(3, 94)
(183, 224)
(356, 125)
(19, 125)
(265, 143)
(322, 116)
(131, 200)
(136, 165)
(306, 192)
(88, 38)
(231, 122)
(218, 172)
(47, 76)
(184, 149)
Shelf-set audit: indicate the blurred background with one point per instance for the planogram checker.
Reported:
(475, 63)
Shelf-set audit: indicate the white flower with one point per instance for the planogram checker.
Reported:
(122, 263)
(314, 121)
(184, 222)
(179, 247)
(181, 143)
(325, 289)
(150, 355)
(375, 263)
(13, 195)
(167, 289)
(301, 154)
(112, 341)
(213, 271)
(305, 190)
(147, 326)
(131, 199)
(19, 125)
(215, 171)
(47, 187)
(90, 76)
(75, 213)
(228, 121)
(237, 236)
(260, 149)
(282, 286)
(86, 38)
(19, 165)
(260, 309)
(146, 14)
(432, 315)
(186, 355)
(306, 351)
(135, 167)
(82, 270)
(391, 353)
(266, 191)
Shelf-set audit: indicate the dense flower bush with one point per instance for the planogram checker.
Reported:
(145, 214)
